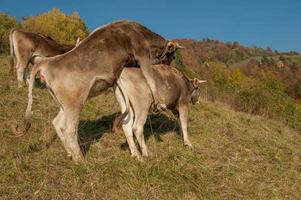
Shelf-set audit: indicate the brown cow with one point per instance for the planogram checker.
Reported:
(92, 67)
(26, 47)
(135, 100)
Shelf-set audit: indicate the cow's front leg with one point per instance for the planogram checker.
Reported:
(183, 114)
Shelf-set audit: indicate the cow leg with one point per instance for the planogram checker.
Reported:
(183, 112)
(20, 73)
(127, 122)
(22, 64)
(59, 123)
(71, 134)
(140, 119)
(128, 131)
(148, 73)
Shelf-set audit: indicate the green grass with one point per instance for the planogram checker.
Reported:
(236, 155)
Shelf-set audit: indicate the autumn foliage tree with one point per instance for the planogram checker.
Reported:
(6, 24)
(61, 27)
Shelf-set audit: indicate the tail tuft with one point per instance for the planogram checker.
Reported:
(27, 124)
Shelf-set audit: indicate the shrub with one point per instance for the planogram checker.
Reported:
(61, 27)
(252, 99)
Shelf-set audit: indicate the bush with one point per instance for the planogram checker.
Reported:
(252, 99)
(61, 27)
(264, 95)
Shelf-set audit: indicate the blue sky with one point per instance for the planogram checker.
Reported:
(263, 23)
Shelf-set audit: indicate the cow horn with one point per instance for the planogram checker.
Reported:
(202, 81)
(77, 41)
(179, 46)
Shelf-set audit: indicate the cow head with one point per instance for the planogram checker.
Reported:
(173, 46)
(169, 52)
(195, 83)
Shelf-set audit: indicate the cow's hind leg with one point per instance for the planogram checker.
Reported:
(59, 123)
(127, 121)
(71, 132)
(183, 114)
(128, 131)
(22, 64)
(140, 119)
(20, 68)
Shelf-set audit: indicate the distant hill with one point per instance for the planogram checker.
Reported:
(286, 66)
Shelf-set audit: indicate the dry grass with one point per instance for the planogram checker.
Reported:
(236, 156)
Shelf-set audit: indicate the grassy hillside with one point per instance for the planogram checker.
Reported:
(235, 155)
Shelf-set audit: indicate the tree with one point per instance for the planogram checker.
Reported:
(6, 24)
(235, 45)
(61, 27)
(269, 49)
(265, 60)
(298, 88)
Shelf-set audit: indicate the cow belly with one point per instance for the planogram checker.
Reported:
(169, 92)
(98, 87)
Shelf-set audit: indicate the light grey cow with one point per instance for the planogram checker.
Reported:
(135, 99)
(92, 67)
(26, 47)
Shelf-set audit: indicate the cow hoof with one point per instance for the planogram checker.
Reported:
(147, 154)
(140, 159)
(137, 156)
(188, 144)
(77, 158)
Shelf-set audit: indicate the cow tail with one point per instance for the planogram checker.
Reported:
(27, 117)
(123, 115)
(12, 51)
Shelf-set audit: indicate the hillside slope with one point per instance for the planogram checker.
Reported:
(235, 155)
(200, 56)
